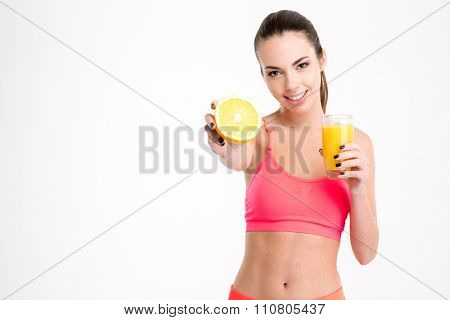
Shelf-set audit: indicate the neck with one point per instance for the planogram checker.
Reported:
(312, 118)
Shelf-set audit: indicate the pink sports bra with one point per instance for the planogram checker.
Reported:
(276, 200)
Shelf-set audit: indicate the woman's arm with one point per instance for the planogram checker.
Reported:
(364, 234)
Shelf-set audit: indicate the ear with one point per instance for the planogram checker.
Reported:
(323, 60)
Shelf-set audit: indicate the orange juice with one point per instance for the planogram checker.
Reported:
(332, 138)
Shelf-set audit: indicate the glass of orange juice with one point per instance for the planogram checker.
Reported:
(337, 130)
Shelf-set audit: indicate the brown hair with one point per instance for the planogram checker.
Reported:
(277, 23)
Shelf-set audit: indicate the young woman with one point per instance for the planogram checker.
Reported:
(295, 213)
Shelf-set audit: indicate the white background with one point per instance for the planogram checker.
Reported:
(69, 143)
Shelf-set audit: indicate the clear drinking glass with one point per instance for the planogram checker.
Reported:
(337, 130)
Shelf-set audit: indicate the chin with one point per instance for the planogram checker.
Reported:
(299, 110)
(296, 109)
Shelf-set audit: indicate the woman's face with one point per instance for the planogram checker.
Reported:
(291, 70)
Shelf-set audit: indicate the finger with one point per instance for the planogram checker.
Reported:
(347, 155)
(354, 163)
(214, 136)
(349, 174)
(350, 146)
(210, 120)
(214, 103)
(214, 144)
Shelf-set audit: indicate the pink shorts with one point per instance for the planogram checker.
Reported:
(336, 295)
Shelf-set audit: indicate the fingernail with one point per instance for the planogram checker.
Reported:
(338, 164)
(336, 156)
(211, 125)
(220, 139)
(342, 147)
(342, 173)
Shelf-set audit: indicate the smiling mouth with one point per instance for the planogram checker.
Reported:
(297, 97)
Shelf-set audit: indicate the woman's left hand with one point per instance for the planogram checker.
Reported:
(352, 157)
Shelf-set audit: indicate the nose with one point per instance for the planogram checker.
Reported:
(291, 83)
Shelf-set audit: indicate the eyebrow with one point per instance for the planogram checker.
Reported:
(293, 64)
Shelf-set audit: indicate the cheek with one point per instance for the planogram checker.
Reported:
(315, 79)
(311, 79)
(275, 87)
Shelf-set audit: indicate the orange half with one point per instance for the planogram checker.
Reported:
(237, 120)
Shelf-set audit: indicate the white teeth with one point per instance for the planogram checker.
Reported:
(297, 97)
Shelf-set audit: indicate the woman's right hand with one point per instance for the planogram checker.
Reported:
(215, 141)
(236, 156)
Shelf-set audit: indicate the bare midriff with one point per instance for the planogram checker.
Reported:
(288, 266)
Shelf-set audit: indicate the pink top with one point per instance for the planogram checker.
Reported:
(279, 201)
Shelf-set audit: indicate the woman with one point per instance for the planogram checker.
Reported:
(295, 214)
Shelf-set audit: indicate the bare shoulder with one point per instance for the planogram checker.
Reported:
(262, 136)
(366, 145)
(270, 119)
(363, 139)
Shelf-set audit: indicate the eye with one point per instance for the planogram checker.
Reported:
(304, 63)
(271, 74)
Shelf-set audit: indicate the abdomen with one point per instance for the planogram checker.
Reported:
(287, 265)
